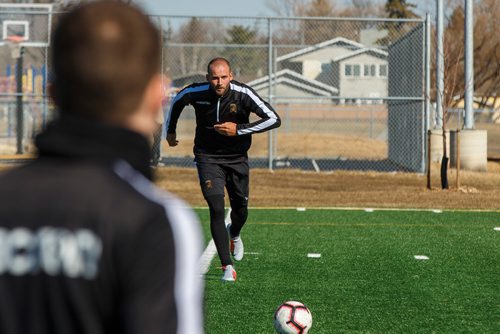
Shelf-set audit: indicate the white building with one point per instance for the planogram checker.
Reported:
(358, 73)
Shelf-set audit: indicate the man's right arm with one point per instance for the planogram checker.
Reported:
(178, 104)
(172, 139)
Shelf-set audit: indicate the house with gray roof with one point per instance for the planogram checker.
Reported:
(357, 73)
(288, 84)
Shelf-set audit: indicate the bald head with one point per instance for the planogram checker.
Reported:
(219, 75)
(218, 61)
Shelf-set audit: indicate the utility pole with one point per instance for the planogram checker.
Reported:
(469, 65)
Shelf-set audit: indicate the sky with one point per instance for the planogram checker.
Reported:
(230, 7)
(207, 7)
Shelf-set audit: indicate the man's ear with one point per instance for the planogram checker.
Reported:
(153, 95)
(146, 118)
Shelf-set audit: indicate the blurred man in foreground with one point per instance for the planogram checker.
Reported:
(87, 243)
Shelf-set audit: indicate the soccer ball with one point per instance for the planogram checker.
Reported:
(292, 317)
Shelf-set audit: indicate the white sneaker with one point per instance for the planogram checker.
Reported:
(229, 274)
(235, 245)
(237, 248)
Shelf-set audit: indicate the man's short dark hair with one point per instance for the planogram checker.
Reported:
(103, 56)
(216, 60)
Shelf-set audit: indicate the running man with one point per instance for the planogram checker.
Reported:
(222, 139)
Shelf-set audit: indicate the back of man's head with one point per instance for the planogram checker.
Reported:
(104, 55)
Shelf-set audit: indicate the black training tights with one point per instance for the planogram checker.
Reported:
(218, 228)
(239, 214)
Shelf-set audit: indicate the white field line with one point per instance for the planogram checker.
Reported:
(207, 256)
(210, 252)
(361, 208)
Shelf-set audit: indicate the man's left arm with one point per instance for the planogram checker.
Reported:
(269, 119)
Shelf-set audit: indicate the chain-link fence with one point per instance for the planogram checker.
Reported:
(350, 92)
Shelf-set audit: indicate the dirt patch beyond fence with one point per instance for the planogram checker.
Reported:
(295, 188)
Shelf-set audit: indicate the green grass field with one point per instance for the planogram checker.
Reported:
(367, 279)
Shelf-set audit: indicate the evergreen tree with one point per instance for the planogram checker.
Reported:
(399, 9)
(396, 9)
(316, 31)
(245, 60)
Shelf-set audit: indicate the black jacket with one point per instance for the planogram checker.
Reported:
(89, 245)
(235, 106)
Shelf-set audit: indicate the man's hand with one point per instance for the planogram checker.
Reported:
(226, 128)
(172, 139)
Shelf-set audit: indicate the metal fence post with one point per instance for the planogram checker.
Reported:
(19, 101)
(427, 89)
(439, 64)
(469, 65)
(44, 85)
(270, 90)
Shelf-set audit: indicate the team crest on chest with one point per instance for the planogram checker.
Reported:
(233, 107)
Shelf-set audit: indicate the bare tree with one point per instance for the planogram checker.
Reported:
(287, 31)
(487, 50)
(316, 31)
(287, 8)
(486, 58)
(363, 8)
(486, 54)
(191, 57)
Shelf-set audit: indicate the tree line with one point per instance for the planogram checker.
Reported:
(196, 33)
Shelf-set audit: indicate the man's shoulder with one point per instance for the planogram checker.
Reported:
(193, 91)
(196, 87)
(242, 88)
(239, 84)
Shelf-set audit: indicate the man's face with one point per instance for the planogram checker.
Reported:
(219, 77)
